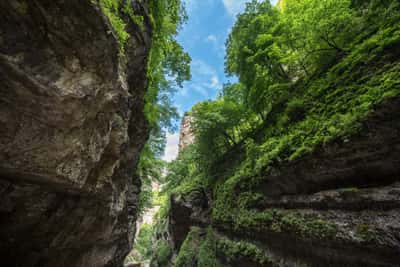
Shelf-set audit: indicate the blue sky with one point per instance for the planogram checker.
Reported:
(203, 37)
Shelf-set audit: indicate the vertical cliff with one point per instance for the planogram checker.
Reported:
(72, 128)
(186, 135)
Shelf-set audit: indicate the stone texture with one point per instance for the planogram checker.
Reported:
(186, 135)
(192, 209)
(352, 186)
(72, 128)
(371, 158)
(338, 207)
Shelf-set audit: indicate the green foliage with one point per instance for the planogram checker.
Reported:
(167, 68)
(181, 170)
(254, 54)
(278, 221)
(186, 173)
(168, 64)
(322, 34)
(365, 233)
(143, 243)
(216, 127)
(150, 169)
(189, 250)
(163, 252)
(320, 106)
(309, 74)
(112, 9)
(235, 250)
(323, 107)
(208, 251)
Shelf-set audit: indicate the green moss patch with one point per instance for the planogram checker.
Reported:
(234, 250)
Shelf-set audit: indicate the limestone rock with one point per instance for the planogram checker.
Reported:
(338, 207)
(186, 135)
(71, 130)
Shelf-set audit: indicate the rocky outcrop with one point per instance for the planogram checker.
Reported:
(186, 211)
(72, 127)
(369, 159)
(338, 207)
(186, 135)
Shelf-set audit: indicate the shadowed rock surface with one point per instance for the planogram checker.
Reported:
(71, 129)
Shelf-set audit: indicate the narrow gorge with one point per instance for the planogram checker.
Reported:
(294, 161)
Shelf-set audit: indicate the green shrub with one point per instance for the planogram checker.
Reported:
(163, 252)
(188, 253)
(207, 252)
(234, 250)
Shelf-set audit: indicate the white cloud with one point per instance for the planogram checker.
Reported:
(234, 6)
(183, 91)
(212, 39)
(215, 81)
(199, 67)
(193, 5)
(172, 147)
(180, 110)
(205, 79)
(201, 89)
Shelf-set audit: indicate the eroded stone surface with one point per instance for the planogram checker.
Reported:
(71, 131)
(186, 135)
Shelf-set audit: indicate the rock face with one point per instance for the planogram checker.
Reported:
(345, 198)
(337, 207)
(187, 211)
(71, 130)
(186, 135)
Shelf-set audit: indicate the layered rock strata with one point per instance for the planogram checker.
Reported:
(338, 207)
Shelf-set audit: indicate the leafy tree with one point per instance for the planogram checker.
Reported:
(143, 242)
(321, 34)
(216, 126)
(254, 55)
(168, 67)
(309, 72)
(271, 49)
(181, 169)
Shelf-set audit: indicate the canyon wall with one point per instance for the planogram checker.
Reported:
(71, 130)
(338, 207)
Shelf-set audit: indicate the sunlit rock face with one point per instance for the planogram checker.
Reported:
(71, 130)
(186, 135)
